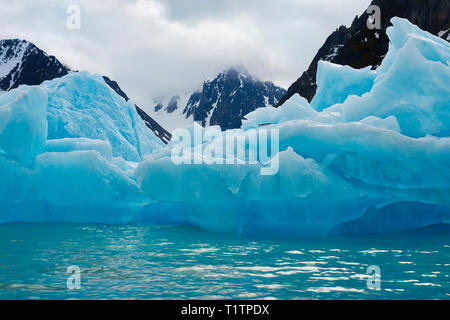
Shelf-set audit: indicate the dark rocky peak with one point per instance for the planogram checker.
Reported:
(226, 99)
(173, 104)
(21, 62)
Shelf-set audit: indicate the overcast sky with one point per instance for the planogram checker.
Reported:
(162, 47)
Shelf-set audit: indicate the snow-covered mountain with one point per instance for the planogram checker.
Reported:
(222, 101)
(21, 62)
(360, 47)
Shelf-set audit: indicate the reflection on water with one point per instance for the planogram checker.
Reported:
(146, 262)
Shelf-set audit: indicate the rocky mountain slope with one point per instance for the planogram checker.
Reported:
(359, 47)
(21, 62)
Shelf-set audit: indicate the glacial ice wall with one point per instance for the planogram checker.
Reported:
(370, 139)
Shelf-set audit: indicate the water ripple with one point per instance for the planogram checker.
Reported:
(147, 262)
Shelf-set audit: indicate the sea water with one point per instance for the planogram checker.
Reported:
(148, 262)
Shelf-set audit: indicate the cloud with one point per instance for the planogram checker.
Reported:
(162, 47)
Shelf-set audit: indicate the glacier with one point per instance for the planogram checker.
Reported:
(371, 152)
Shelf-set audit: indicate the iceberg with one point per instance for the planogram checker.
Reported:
(368, 139)
(68, 150)
(370, 154)
(80, 105)
(23, 126)
(335, 83)
(79, 144)
(411, 84)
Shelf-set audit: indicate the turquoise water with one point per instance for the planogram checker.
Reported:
(146, 262)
